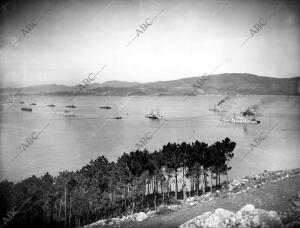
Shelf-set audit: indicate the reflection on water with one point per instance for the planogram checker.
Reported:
(68, 143)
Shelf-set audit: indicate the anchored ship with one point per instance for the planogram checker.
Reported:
(71, 106)
(27, 109)
(105, 107)
(67, 113)
(154, 116)
(51, 105)
(217, 108)
(241, 119)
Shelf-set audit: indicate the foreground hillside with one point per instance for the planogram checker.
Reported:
(275, 191)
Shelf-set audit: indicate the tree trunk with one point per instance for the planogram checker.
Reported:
(148, 187)
(133, 206)
(183, 184)
(176, 185)
(197, 186)
(227, 178)
(163, 192)
(191, 182)
(51, 212)
(59, 213)
(155, 201)
(204, 182)
(211, 179)
(155, 190)
(70, 212)
(125, 195)
(169, 188)
(65, 206)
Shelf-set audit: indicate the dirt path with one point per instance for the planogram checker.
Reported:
(271, 196)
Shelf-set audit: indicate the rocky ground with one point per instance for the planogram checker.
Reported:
(272, 191)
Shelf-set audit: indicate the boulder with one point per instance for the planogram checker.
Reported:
(246, 217)
(192, 204)
(141, 216)
(220, 218)
(150, 213)
(246, 208)
(251, 217)
(172, 206)
(190, 199)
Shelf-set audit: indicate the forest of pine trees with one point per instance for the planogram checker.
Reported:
(104, 189)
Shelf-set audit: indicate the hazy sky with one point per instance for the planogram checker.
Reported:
(188, 38)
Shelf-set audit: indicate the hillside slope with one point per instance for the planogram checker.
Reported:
(230, 83)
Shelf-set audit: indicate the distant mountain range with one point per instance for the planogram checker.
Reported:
(230, 83)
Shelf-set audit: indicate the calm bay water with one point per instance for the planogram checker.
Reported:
(68, 143)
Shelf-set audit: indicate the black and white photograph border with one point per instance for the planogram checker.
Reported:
(149, 113)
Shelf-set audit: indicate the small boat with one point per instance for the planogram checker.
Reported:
(67, 113)
(118, 118)
(105, 107)
(71, 106)
(51, 105)
(21, 102)
(33, 104)
(154, 116)
(242, 119)
(27, 109)
(217, 108)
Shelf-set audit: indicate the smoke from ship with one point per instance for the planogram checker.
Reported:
(263, 101)
(223, 100)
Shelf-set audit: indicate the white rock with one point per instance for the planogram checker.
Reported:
(246, 217)
(247, 208)
(220, 218)
(172, 206)
(190, 199)
(251, 217)
(141, 216)
(150, 213)
(192, 204)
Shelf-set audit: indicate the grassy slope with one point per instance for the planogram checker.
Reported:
(271, 196)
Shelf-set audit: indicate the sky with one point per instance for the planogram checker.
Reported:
(75, 38)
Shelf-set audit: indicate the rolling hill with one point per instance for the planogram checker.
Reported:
(229, 83)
